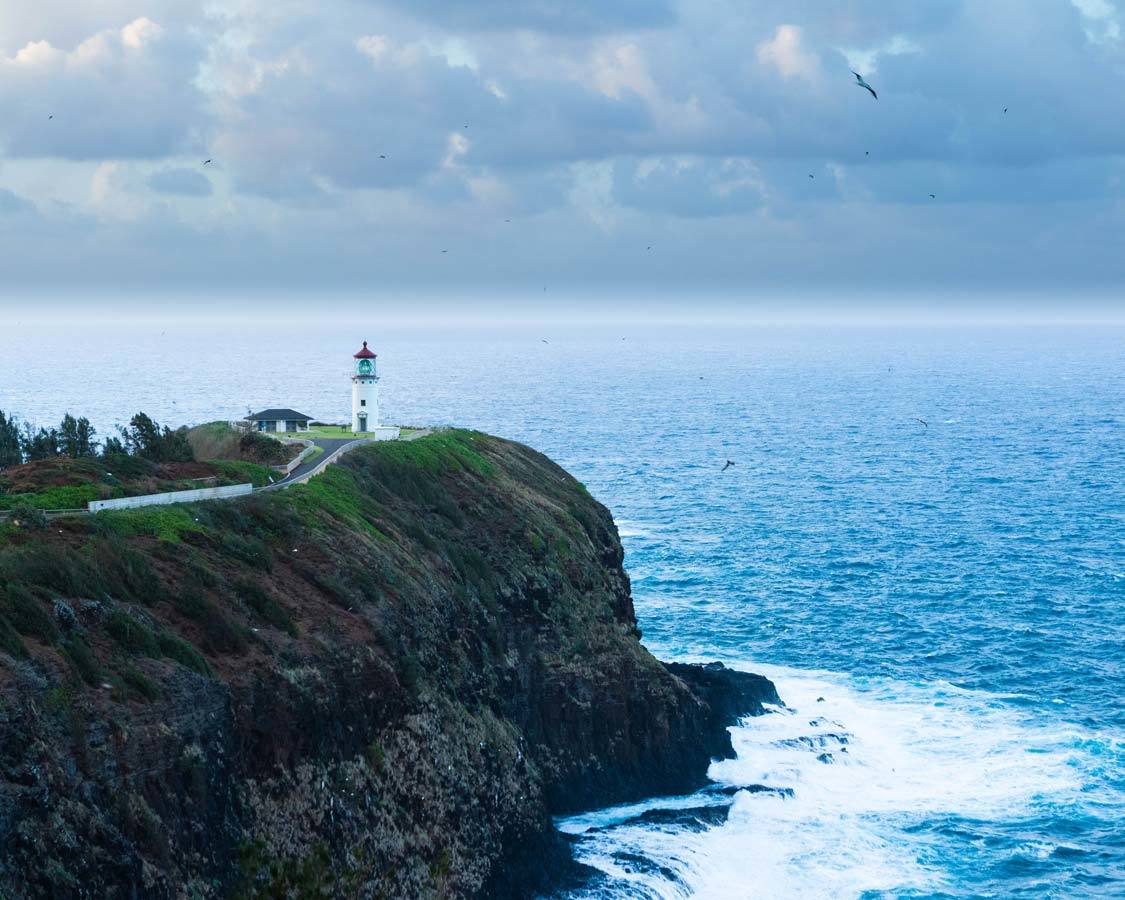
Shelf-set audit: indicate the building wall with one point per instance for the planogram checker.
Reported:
(365, 389)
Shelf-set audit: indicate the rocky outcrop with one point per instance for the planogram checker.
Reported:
(381, 684)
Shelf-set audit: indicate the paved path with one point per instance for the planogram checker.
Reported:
(328, 445)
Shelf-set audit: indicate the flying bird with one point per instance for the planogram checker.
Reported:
(1005, 110)
(866, 152)
(925, 424)
(813, 177)
(728, 465)
(444, 251)
(933, 196)
(863, 84)
(544, 340)
(51, 116)
(206, 162)
(382, 156)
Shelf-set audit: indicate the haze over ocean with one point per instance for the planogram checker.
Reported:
(954, 590)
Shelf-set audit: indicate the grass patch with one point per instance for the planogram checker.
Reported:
(166, 523)
(234, 471)
(66, 497)
(443, 451)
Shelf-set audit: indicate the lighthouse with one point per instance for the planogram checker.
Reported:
(365, 393)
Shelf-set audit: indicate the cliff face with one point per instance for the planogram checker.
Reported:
(383, 683)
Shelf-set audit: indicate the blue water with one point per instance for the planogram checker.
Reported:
(941, 605)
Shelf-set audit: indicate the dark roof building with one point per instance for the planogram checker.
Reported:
(279, 420)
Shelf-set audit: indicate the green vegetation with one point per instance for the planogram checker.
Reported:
(441, 452)
(66, 497)
(166, 523)
(232, 471)
(214, 440)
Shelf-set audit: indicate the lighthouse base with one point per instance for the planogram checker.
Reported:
(380, 433)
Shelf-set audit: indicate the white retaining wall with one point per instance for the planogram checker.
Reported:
(218, 493)
(298, 459)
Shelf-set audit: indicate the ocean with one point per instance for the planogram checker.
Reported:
(921, 540)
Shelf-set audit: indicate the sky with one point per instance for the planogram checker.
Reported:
(658, 150)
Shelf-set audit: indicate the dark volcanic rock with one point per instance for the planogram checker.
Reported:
(383, 684)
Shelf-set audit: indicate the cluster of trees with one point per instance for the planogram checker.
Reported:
(76, 439)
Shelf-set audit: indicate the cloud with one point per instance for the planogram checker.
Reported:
(348, 146)
(11, 203)
(690, 187)
(124, 92)
(180, 183)
(573, 16)
(786, 53)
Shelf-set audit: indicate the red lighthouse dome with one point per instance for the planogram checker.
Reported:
(365, 353)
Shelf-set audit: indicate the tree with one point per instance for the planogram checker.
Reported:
(145, 438)
(113, 447)
(76, 438)
(41, 444)
(10, 452)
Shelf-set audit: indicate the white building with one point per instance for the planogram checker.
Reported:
(365, 398)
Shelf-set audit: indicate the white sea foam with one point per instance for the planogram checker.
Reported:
(867, 765)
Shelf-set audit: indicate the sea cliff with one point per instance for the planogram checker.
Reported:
(381, 684)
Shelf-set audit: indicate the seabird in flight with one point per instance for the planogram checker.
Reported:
(728, 465)
(933, 196)
(925, 424)
(206, 162)
(863, 84)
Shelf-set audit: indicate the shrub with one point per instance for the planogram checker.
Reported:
(10, 640)
(133, 635)
(181, 651)
(27, 614)
(27, 515)
(82, 657)
(139, 682)
(254, 596)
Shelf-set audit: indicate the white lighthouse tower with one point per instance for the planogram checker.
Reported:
(365, 393)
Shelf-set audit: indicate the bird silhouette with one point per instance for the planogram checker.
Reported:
(51, 116)
(863, 84)
(544, 340)
(206, 162)
(382, 156)
(866, 152)
(925, 424)
(933, 196)
(813, 177)
(648, 248)
(728, 465)
(1005, 110)
(444, 251)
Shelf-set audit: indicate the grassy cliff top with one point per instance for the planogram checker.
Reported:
(209, 585)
